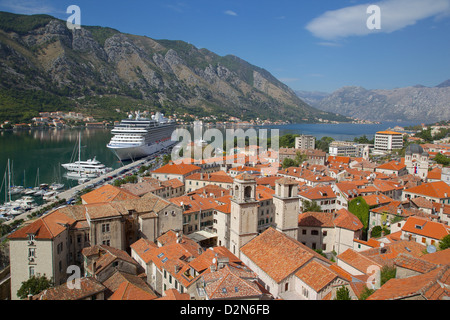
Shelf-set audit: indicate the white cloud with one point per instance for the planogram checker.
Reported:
(231, 13)
(395, 15)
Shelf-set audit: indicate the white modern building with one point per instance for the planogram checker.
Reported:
(386, 141)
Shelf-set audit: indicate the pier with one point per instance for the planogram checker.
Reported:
(72, 193)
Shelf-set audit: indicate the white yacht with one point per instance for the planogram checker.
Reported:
(138, 137)
(80, 169)
(88, 166)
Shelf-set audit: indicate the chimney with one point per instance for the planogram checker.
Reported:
(213, 266)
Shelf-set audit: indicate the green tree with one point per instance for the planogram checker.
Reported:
(288, 162)
(442, 159)
(387, 273)
(311, 206)
(376, 232)
(166, 159)
(342, 294)
(33, 286)
(300, 158)
(360, 209)
(324, 143)
(288, 140)
(366, 293)
(444, 243)
(363, 140)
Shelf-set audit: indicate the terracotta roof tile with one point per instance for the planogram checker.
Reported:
(277, 254)
(107, 193)
(426, 228)
(88, 287)
(316, 275)
(178, 169)
(428, 286)
(437, 189)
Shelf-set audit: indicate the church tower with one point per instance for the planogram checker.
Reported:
(286, 204)
(244, 212)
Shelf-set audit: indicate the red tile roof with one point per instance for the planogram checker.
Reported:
(319, 193)
(88, 287)
(277, 254)
(426, 228)
(231, 283)
(347, 220)
(173, 294)
(437, 189)
(392, 165)
(178, 169)
(107, 193)
(433, 285)
(316, 275)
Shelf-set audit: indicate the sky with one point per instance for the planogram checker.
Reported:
(311, 45)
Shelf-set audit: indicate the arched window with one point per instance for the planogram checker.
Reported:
(248, 192)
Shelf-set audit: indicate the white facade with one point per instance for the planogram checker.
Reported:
(386, 141)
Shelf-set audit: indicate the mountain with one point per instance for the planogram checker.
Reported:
(311, 97)
(44, 66)
(444, 84)
(418, 103)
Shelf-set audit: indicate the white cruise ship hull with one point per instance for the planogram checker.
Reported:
(135, 152)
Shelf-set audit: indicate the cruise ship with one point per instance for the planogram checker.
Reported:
(138, 137)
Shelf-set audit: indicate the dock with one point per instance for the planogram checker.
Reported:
(72, 193)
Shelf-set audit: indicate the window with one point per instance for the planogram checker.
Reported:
(305, 292)
(105, 227)
(304, 231)
(286, 286)
(106, 243)
(314, 232)
(32, 252)
(31, 271)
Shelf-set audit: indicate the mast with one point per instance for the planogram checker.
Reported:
(9, 181)
(79, 153)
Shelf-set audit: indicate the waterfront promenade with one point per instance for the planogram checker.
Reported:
(72, 193)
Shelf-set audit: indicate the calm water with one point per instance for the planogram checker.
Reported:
(48, 149)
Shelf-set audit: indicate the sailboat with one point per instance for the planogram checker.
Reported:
(56, 185)
(12, 188)
(9, 207)
(81, 169)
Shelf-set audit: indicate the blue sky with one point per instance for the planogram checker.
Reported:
(313, 45)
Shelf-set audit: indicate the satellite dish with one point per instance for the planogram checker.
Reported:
(431, 249)
(214, 261)
(382, 245)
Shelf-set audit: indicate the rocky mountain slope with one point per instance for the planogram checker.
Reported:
(417, 103)
(46, 66)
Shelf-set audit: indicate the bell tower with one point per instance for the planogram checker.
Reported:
(244, 212)
(286, 204)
